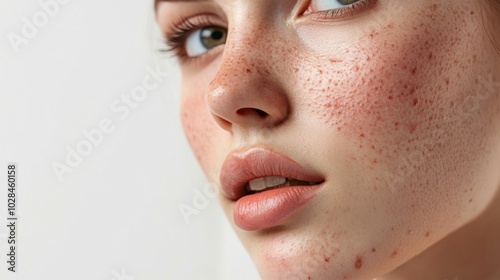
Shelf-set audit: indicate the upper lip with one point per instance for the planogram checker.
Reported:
(241, 167)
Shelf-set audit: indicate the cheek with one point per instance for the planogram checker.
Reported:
(413, 102)
(413, 87)
(199, 128)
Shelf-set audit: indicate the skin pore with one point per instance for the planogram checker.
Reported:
(395, 103)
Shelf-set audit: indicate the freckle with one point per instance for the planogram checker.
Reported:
(470, 201)
(309, 278)
(409, 231)
(374, 250)
(392, 228)
(359, 263)
(396, 124)
(430, 56)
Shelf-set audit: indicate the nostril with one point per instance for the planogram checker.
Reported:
(261, 113)
(252, 111)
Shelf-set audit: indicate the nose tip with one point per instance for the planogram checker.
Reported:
(251, 102)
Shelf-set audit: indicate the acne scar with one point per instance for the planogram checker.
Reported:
(359, 262)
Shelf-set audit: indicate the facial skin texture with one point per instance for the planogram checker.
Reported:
(397, 106)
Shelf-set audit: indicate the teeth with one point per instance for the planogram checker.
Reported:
(266, 182)
(274, 181)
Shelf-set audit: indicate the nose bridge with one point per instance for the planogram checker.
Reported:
(250, 51)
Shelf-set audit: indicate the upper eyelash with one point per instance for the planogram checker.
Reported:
(174, 40)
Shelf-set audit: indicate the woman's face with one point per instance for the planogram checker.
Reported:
(382, 115)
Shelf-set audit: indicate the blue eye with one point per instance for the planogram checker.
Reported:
(323, 5)
(204, 39)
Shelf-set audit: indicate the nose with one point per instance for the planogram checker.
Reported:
(247, 91)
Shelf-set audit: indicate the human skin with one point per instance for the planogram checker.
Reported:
(395, 104)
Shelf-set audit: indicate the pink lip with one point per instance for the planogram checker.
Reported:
(269, 208)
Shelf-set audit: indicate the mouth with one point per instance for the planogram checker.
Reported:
(274, 182)
(266, 187)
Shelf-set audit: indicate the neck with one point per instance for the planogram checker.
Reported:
(472, 252)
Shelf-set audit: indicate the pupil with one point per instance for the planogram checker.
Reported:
(217, 35)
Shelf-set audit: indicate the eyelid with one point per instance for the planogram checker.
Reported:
(335, 14)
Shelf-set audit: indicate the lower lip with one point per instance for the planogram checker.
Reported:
(270, 208)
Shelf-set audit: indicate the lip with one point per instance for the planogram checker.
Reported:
(268, 208)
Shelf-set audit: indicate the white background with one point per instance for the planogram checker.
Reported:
(115, 215)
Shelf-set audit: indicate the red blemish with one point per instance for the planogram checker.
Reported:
(390, 97)
(395, 253)
(309, 278)
(249, 71)
(362, 135)
(359, 263)
(415, 102)
(414, 70)
(374, 250)
(327, 259)
(409, 231)
(427, 234)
